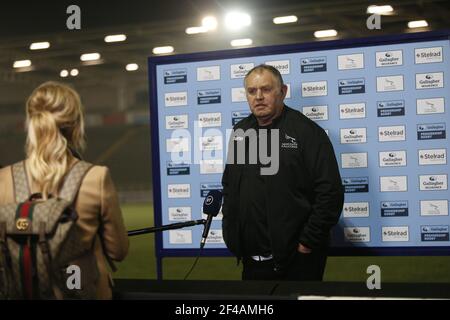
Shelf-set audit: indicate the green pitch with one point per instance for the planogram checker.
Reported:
(141, 261)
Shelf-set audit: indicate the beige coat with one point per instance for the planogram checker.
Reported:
(99, 215)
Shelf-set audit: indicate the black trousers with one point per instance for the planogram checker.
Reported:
(303, 267)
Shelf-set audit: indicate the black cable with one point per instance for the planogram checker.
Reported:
(193, 266)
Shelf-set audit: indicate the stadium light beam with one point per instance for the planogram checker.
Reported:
(241, 42)
(90, 56)
(210, 23)
(115, 38)
(39, 45)
(417, 24)
(163, 50)
(325, 33)
(285, 19)
(132, 67)
(380, 9)
(22, 64)
(237, 20)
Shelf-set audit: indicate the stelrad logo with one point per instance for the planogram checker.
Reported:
(206, 120)
(428, 55)
(175, 99)
(393, 133)
(352, 110)
(394, 234)
(280, 65)
(179, 190)
(314, 89)
(356, 210)
(432, 157)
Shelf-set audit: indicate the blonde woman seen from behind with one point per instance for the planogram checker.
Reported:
(55, 138)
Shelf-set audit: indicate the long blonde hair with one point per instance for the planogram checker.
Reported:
(55, 126)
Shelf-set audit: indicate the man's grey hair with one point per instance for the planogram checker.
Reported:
(260, 68)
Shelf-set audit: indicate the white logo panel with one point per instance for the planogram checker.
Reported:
(432, 157)
(208, 73)
(355, 210)
(430, 80)
(434, 208)
(177, 122)
(430, 106)
(314, 89)
(389, 58)
(433, 182)
(211, 166)
(177, 145)
(394, 184)
(352, 110)
(396, 158)
(238, 95)
(357, 234)
(389, 83)
(240, 70)
(175, 191)
(390, 234)
(354, 160)
(351, 61)
(175, 99)
(394, 133)
(211, 143)
(281, 65)
(180, 236)
(180, 213)
(316, 112)
(353, 135)
(428, 55)
(206, 120)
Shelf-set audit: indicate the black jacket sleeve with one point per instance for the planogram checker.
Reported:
(327, 191)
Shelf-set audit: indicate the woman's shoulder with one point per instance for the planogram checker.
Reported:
(97, 172)
(6, 182)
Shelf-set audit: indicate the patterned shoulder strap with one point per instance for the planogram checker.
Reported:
(20, 182)
(73, 180)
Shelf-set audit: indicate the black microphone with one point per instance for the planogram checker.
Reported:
(211, 207)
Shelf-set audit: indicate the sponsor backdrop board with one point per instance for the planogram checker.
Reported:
(383, 102)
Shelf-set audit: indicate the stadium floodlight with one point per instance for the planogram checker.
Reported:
(64, 73)
(132, 67)
(210, 23)
(22, 64)
(380, 9)
(195, 30)
(39, 45)
(74, 72)
(325, 33)
(241, 42)
(285, 19)
(162, 50)
(417, 24)
(90, 56)
(237, 20)
(115, 38)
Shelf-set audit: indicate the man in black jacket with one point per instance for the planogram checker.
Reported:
(282, 187)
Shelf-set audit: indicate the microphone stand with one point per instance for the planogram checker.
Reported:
(177, 225)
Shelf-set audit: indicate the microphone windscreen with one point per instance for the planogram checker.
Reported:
(212, 203)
